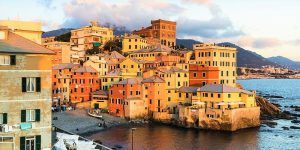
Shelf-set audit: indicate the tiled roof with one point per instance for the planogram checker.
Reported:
(156, 48)
(115, 72)
(172, 70)
(64, 66)
(154, 79)
(131, 81)
(115, 55)
(86, 69)
(18, 44)
(100, 92)
(132, 36)
(188, 89)
(221, 88)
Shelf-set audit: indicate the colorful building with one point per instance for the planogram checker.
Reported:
(61, 81)
(223, 57)
(132, 67)
(99, 100)
(62, 50)
(201, 75)
(85, 80)
(25, 89)
(88, 37)
(135, 108)
(98, 62)
(121, 91)
(151, 53)
(27, 29)
(132, 43)
(110, 78)
(154, 94)
(163, 30)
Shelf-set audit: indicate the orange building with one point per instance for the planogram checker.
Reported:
(163, 30)
(202, 75)
(155, 94)
(84, 81)
(121, 91)
(61, 80)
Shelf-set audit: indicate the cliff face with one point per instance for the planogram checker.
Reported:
(267, 108)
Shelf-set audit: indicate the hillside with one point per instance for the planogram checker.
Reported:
(285, 62)
(56, 32)
(245, 58)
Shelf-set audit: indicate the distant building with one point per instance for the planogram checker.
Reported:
(132, 43)
(162, 30)
(88, 37)
(27, 29)
(201, 75)
(99, 99)
(61, 49)
(25, 89)
(223, 57)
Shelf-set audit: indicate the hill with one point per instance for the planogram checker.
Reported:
(56, 32)
(245, 58)
(285, 62)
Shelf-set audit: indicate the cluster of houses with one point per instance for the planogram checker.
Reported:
(147, 78)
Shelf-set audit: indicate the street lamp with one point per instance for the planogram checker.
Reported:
(132, 129)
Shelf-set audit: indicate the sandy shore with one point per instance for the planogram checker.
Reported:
(79, 122)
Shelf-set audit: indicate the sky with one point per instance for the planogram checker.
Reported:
(268, 27)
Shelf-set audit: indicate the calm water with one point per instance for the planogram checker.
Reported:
(163, 137)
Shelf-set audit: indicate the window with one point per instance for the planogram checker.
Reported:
(7, 60)
(195, 74)
(30, 143)
(31, 84)
(203, 74)
(229, 95)
(3, 118)
(219, 95)
(30, 115)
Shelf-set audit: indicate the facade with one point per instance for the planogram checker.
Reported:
(122, 91)
(61, 81)
(223, 57)
(151, 53)
(135, 107)
(85, 80)
(98, 62)
(201, 75)
(62, 50)
(162, 30)
(111, 78)
(132, 43)
(132, 68)
(25, 89)
(88, 37)
(99, 100)
(29, 30)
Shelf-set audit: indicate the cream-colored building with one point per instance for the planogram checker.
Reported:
(25, 89)
(87, 37)
(61, 49)
(223, 57)
(132, 43)
(27, 29)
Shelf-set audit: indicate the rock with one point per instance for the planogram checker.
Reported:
(277, 105)
(297, 109)
(295, 106)
(291, 136)
(285, 128)
(294, 127)
(295, 121)
(271, 124)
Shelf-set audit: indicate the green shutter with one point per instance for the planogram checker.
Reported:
(38, 84)
(12, 59)
(23, 84)
(38, 141)
(22, 143)
(23, 115)
(5, 118)
(37, 115)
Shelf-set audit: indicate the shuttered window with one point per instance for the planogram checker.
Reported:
(30, 143)
(30, 115)
(4, 60)
(3, 118)
(31, 84)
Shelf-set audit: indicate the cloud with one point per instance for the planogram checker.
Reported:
(219, 26)
(132, 14)
(259, 43)
(198, 1)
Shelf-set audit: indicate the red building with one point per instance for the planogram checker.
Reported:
(202, 75)
(84, 81)
(119, 92)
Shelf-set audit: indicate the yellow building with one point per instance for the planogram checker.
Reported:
(220, 96)
(25, 93)
(99, 100)
(174, 78)
(87, 37)
(132, 43)
(223, 57)
(132, 68)
(150, 53)
(98, 62)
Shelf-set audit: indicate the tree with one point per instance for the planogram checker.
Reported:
(94, 50)
(113, 45)
(64, 37)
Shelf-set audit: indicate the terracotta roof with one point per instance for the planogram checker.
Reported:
(131, 81)
(156, 48)
(221, 88)
(64, 66)
(115, 55)
(115, 72)
(172, 70)
(154, 79)
(18, 44)
(86, 69)
(100, 92)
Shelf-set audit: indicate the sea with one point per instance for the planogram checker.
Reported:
(163, 137)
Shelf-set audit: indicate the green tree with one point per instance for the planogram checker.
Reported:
(113, 45)
(64, 37)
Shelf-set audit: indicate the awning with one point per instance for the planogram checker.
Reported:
(221, 103)
(25, 126)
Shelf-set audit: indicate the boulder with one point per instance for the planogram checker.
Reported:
(294, 127)
(295, 121)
